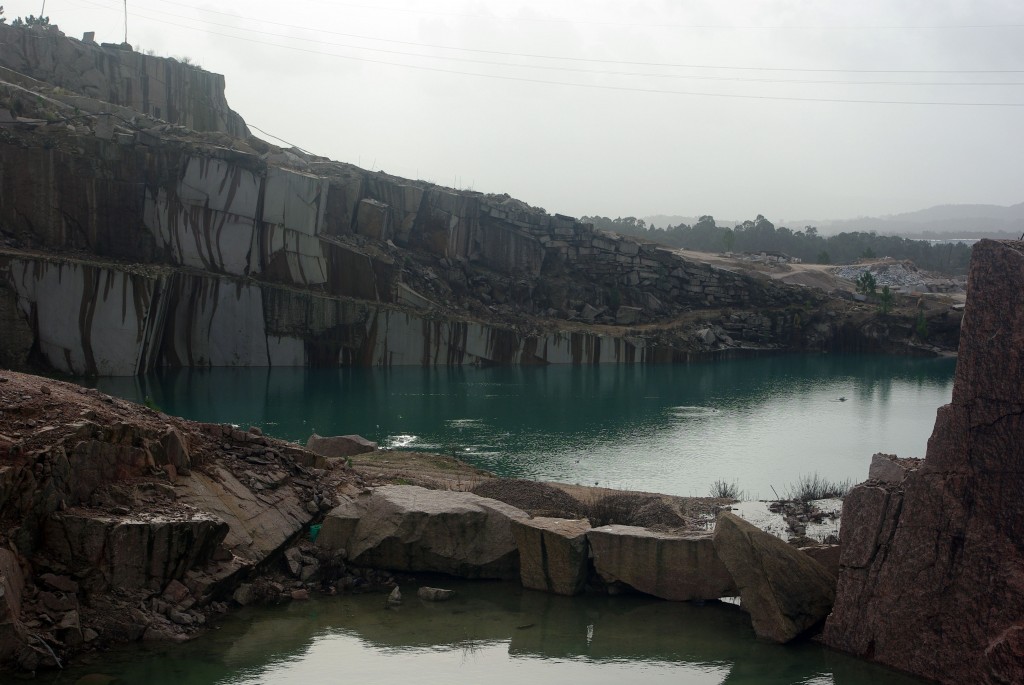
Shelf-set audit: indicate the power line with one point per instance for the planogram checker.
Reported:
(593, 71)
(543, 56)
(585, 85)
(723, 27)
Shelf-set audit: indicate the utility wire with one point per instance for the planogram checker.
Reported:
(724, 27)
(542, 56)
(587, 85)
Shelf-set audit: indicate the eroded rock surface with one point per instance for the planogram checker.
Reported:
(409, 528)
(932, 569)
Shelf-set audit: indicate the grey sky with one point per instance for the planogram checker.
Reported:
(609, 145)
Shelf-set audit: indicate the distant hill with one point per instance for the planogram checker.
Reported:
(939, 222)
(993, 221)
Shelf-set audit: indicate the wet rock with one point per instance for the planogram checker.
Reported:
(178, 617)
(785, 591)
(434, 594)
(395, 597)
(409, 528)
(675, 566)
(300, 594)
(337, 446)
(244, 594)
(553, 554)
(293, 561)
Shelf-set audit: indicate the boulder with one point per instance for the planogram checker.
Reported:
(133, 552)
(409, 528)
(336, 446)
(552, 554)
(886, 469)
(930, 577)
(435, 594)
(675, 566)
(785, 591)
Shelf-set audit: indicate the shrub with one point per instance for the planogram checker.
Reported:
(632, 510)
(813, 487)
(866, 283)
(725, 490)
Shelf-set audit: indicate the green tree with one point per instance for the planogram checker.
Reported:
(866, 284)
(868, 253)
(3, 19)
(824, 258)
(885, 300)
(728, 239)
(31, 21)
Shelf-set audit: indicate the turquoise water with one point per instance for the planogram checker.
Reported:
(761, 422)
(493, 633)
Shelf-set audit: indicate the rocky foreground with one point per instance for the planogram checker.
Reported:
(122, 523)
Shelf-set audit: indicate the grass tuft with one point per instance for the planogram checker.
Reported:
(813, 487)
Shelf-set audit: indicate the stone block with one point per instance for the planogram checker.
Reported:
(294, 200)
(553, 554)
(674, 566)
(409, 528)
(886, 469)
(785, 591)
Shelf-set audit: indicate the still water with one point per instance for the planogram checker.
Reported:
(760, 422)
(495, 633)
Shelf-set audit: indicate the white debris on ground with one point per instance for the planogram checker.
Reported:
(759, 514)
(901, 276)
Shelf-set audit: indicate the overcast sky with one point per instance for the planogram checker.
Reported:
(732, 108)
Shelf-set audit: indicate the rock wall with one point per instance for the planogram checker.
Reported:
(932, 569)
(158, 87)
(98, 319)
(187, 244)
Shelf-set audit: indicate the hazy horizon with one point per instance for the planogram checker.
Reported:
(764, 107)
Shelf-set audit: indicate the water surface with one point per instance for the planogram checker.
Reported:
(495, 633)
(761, 422)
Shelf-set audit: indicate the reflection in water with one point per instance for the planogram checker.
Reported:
(677, 428)
(491, 632)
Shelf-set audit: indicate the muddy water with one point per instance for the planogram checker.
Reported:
(493, 633)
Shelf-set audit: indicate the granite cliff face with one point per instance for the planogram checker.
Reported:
(116, 75)
(141, 229)
(932, 570)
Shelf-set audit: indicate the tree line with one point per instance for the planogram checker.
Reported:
(761, 235)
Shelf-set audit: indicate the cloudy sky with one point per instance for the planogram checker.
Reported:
(791, 109)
